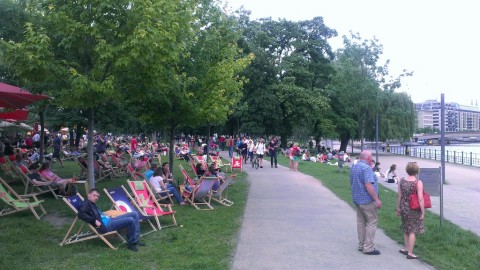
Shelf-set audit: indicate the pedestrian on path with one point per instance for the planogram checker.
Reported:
(272, 151)
(412, 220)
(364, 184)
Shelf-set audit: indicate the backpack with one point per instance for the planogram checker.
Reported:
(296, 152)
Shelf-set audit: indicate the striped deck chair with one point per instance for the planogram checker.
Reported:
(187, 180)
(75, 202)
(201, 195)
(148, 204)
(17, 202)
(220, 195)
(122, 201)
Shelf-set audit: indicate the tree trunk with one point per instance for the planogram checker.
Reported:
(172, 144)
(344, 143)
(90, 171)
(42, 132)
(207, 140)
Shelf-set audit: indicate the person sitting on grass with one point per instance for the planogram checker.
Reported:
(90, 213)
(47, 173)
(158, 186)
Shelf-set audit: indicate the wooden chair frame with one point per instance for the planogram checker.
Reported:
(80, 235)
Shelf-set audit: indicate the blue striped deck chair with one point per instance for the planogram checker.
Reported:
(122, 201)
(201, 195)
(75, 202)
(220, 195)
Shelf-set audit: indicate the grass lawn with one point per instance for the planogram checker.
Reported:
(446, 247)
(203, 239)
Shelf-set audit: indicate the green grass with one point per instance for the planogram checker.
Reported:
(445, 247)
(203, 239)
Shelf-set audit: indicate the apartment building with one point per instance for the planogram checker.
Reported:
(457, 117)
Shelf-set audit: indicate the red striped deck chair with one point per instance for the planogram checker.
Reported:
(148, 204)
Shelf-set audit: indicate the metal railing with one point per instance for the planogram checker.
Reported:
(456, 157)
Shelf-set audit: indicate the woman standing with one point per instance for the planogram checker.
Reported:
(412, 220)
(260, 150)
(297, 154)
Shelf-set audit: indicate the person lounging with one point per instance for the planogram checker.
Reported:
(158, 186)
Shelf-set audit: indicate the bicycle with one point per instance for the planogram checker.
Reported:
(255, 163)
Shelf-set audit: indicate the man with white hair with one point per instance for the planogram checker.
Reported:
(364, 186)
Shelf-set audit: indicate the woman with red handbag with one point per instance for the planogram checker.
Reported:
(412, 220)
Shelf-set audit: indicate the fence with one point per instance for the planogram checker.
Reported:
(456, 157)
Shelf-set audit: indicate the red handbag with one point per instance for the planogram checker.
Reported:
(414, 205)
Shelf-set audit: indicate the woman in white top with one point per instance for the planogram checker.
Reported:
(391, 175)
(260, 150)
(158, 186)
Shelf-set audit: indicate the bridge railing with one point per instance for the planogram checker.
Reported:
(456, 157)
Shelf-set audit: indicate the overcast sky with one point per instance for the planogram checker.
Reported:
(438, 40)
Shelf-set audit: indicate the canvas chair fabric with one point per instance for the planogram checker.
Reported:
(221, 194)
(123, 201)
(81, 233)
(201, 195)
(149, 206)
(19, 203)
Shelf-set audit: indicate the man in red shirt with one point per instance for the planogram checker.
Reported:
(133, 144)
(222, 142)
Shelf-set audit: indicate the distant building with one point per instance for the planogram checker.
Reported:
(457, 117)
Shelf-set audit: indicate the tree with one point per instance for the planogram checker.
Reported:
(93, 52)
(199, 86)
(360, 90)
(285, 81)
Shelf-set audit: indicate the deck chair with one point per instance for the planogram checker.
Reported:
(122, 201)
(194, 169)
(187, 180)
(31, 187)
(83, 170)
(75, 202)
(19, 202)
(120, 167)
(102, 172)
(134, 174)
(6, 167)
(201, 191)
(220, 195)
(148, 204)
(219, 163)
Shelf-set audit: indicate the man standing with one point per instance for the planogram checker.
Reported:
(36, 140)
(272, 151)
(90, 213)
(364, 186)
(230, 145)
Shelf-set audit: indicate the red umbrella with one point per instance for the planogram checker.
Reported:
(15, 115)
(16, 97)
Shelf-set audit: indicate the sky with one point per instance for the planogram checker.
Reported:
(438, 40)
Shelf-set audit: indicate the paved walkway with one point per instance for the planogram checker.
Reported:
(292, 221)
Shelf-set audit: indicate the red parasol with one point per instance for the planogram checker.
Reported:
(15, 115)
(16, 97)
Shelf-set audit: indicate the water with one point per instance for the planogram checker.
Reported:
(467, 154)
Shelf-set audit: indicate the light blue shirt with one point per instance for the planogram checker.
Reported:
(360, 174)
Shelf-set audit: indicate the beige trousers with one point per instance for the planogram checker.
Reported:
(367, 220)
